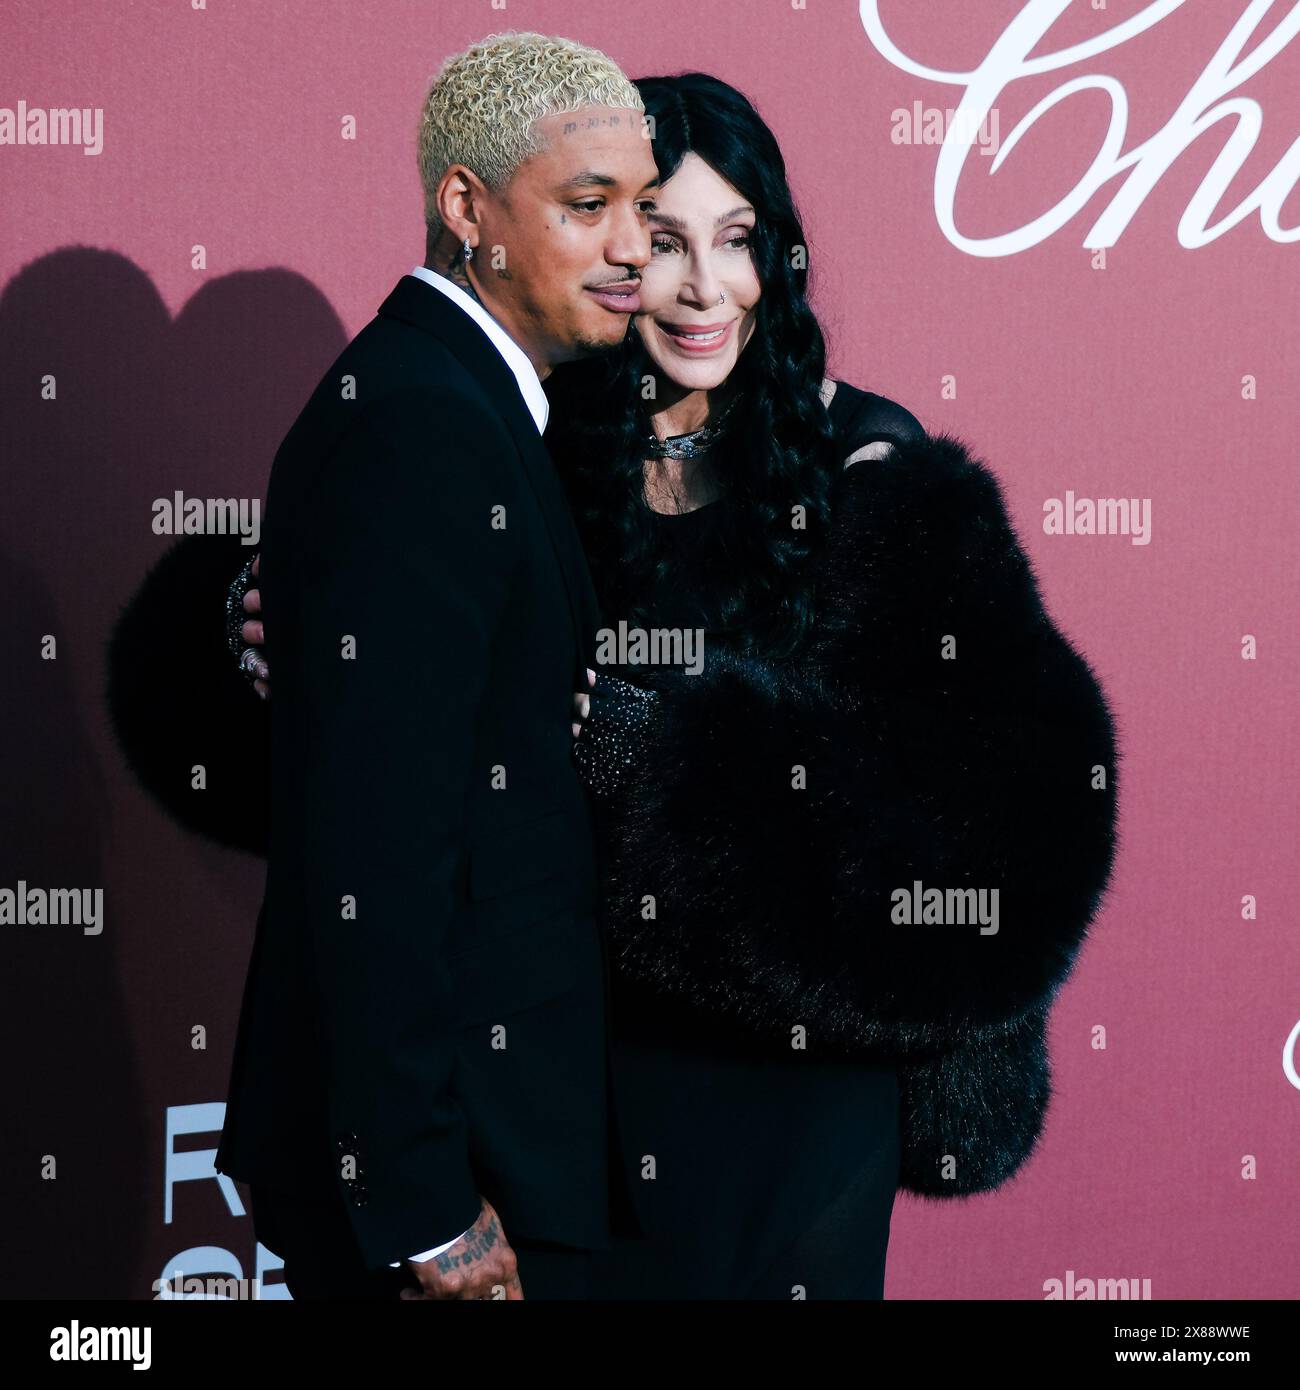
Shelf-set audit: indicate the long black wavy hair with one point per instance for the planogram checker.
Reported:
(778, 457)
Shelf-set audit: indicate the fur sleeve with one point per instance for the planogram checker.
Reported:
(941, 732)
(971, 1118)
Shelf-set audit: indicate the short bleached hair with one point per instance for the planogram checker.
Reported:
(481, 106)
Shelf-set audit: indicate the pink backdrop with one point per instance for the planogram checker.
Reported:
(1164, 370)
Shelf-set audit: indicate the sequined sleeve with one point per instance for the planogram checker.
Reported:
(616, 734)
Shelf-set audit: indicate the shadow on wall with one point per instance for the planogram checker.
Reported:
(142, 406)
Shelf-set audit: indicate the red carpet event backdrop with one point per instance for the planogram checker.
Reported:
(1065, 232)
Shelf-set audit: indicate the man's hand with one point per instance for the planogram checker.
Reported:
(481, 1265)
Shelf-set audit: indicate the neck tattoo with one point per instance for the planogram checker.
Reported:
(456, 273)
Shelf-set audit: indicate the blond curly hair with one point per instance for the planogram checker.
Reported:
(481, 106)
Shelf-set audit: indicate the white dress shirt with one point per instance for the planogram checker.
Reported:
(530, 384)
(530, 388)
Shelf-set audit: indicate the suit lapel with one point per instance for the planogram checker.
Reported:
(424, 307)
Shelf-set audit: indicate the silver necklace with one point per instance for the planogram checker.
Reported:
(688, 447)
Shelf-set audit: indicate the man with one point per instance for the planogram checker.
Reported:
(419, 1084)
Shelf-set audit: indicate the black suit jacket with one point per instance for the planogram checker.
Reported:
(424, 1015)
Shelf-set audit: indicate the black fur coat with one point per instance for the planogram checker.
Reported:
(939, 729)
(990, 763)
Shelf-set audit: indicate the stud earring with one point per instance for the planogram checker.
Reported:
(722, 298)
(467, 249)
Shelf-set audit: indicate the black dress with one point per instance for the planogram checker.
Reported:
(755, 1177)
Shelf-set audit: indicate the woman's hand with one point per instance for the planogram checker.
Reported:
(582, 703)
(245, 635)
(252, 658)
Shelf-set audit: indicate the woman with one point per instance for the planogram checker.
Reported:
(885, 712)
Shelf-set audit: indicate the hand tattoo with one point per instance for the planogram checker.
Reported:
(478, 1245)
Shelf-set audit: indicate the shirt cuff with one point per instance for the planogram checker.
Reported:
(429, 1254)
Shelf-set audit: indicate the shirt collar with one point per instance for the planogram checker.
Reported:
(530, 384)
